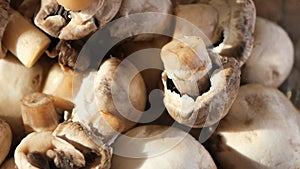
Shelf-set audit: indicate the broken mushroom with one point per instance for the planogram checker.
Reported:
(16, 82)
(68, 24)
(261, 131)
(43, 150)
(5, 140)
(38, 113)
(97, 154)
(199, 85)
(171, 148)
(234, 19)
(272, 57)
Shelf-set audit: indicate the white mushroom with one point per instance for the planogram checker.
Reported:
(16, 82)
(5, 140)
(208, 83)
(261, 131)
(165, 147)
(43, 150)
(98, 154)
(272, 57)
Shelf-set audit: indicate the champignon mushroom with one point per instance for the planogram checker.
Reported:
(38, 113)
(43, 150)
(141, 25)
(272, 57)
(71, 24)
(5, 140)
(9, 164)
(18, 32)
(199, 85)
(234, 18)
(147, 146)
(261, 131)
(16, 82)
(98, 154)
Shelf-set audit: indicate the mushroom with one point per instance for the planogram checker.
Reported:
(16, 82)
(261, 131)
(144, 19)
(199, 85)
(4, 6)
(43, 150)
(272, 57)
(18, 32)
(38, 113)
(63, 20)
(5, 139)
(147, 146)
(9, 164)
(98, 154)
(234, 18)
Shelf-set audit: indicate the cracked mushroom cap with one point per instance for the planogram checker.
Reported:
(43, 150)
(236, 18)
(168, 147)
(4, 6)
(66, 24)
(97, 155)
(261, 131)
(272, 57)
(208, 106)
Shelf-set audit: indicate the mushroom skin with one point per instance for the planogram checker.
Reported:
(272, 57)
(169, 147)
(97, 155)
(36, 149)
(66, 24)
(9, 164)
(5, 139)
(208, 106)
(17, 81)
(261, 131)
(4, 6)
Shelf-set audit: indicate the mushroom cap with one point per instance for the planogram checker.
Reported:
(9, 164)
(261, 131)
(168, 147)
(237, 18)
(72, 25)
(81, 139)
(272, 57)
(35, 148)
(5, 140)
(211, 106)
(4, 6)
(144, 23)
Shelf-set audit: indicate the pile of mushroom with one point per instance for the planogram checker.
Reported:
(218, 66)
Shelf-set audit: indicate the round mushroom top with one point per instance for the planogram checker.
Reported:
(4, 6)
(169, 147)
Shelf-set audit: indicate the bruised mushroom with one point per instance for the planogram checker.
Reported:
(43, 150)
(145, 147)
(71, 24)
(261, 131)
(199, 86)
(272, 57)
(234, 18)
(5, 140)
(17, 81)
(98, 154)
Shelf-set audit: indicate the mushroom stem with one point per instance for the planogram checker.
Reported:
(38, 113)
(187, 63)
(24, 40)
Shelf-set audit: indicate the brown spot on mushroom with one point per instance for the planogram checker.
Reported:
(38, 160)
